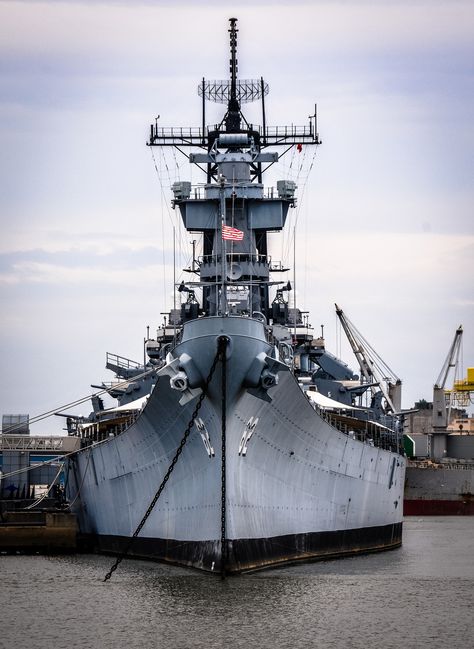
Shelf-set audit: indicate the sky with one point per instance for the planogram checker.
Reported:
(384, 223)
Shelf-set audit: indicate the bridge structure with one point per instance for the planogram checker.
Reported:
(24, 455)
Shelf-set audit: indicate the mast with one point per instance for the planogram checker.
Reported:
(232, 119)
(233, 279)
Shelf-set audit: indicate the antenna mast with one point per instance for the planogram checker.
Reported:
(232, 120)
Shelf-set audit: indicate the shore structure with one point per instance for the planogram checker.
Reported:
(440, 445)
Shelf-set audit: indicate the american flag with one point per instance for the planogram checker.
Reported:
(232, 234)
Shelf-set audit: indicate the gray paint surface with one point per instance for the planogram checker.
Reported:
(298, 475)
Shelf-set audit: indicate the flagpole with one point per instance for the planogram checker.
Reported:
(223, 251)
(233, 222)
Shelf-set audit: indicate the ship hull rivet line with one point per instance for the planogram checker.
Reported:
(187, 432)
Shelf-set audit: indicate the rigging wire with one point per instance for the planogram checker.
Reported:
(185, 256)
(77, 402)
(187, 432)
(162, 201)
(289, 239)
(52, 460)
(176, 221)
(79, 487)
(176, 164)
(292, 159)
(173, 219)
(305, 258)
(376, 362)
(337, 329)
(46, 493)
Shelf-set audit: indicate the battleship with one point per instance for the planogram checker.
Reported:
(241, 443)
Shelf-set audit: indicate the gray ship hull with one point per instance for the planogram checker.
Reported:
(296, 488)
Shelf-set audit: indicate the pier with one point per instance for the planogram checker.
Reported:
(29, 465)
(24, 456)
(31, 531)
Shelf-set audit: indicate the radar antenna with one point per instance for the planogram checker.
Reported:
(234, 92)
(233, 58)
(232, 120)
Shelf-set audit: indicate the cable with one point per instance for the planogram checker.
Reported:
(46, 493)
(83, 478)
(54, 459)
(72, 404)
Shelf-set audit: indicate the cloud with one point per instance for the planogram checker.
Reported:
(87, 233)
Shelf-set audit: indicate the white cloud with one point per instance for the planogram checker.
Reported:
(37, 273)
(387, 215)
(86, 31)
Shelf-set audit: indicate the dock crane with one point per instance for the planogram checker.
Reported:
(443, 398)
(463, 388)
(381, 379)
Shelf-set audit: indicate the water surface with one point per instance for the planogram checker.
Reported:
(421, 595)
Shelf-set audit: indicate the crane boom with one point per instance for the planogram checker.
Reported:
(356, 348)
(451, 359)
(372, 367)
(441, 413)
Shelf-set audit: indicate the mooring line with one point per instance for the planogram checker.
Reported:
(224, 549)
(187, 432)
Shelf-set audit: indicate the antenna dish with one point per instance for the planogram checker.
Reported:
(247, 90)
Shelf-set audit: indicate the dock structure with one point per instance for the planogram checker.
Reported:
(49, 532)
(29, 463)
(24, 456)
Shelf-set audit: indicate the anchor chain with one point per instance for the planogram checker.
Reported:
(224, 548)
(187, 432)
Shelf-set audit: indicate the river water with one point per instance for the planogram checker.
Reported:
(421, 595)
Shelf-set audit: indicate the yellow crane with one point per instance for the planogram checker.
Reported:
(462, 388)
